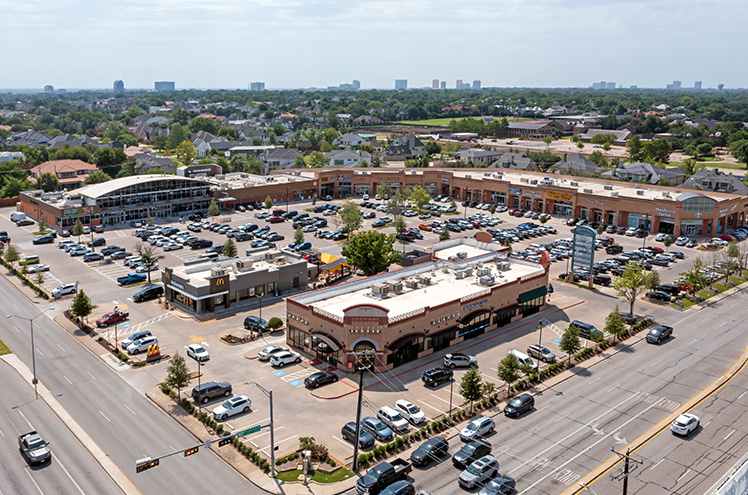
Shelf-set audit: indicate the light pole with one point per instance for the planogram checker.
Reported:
(33, 349)
(260, 297)
(451, 385)
(540, 337)
(646, 221)
(199, 375)
(269, 394)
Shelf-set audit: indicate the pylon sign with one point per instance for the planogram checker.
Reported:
(154, 353)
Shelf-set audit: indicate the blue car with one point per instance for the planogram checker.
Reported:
(377, 428)
(302, 246)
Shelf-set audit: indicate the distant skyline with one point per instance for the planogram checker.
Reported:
(225, 44)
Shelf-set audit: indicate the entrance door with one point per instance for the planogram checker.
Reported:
(692, 230)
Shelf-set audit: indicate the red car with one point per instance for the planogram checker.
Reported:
(426, 227)
(111, 318)
(727, 237)
(656, 249)
(275, 219)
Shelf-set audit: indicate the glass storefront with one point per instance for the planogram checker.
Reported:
(563, 208)
(498, 198)
(442, 340)
(692, 227)
(324, 352)
(504, 316)
(667, 225)
(532, 306)
(406, 351)
(473, 325)
(187, 301)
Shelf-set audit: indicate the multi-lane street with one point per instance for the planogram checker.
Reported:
(119, 419)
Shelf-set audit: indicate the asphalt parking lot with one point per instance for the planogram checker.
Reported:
(299, 412)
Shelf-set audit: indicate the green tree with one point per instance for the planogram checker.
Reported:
(185, 153)
(97, 178)
(607, 146)
(395, 204)
(12, 255)
(82, 306)
(371, 251)
(548, 140)
(298, 236)
(570, 341)
(299, 162)
(268, 203)
(202, 124)
(668, 242)
(42, 225)
(214, 210)
(149, 256)
(150, 221)
(177, 374)
(177, 134)
(635, 149)
(508, 370)
(383, 191)
(444, 235)
(692, 277)
(652, 279)
(39, 278)
(78, 229)
(47, 182)
(471, 387)
(631, 284)
(615, 325)
(349, 217)
(733, 256)
(688, 167)
(400, 225)
(229, 248)
(14, 186)
(419, 197)
(492, 210)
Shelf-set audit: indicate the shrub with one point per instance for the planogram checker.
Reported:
(165, 388)
(399, 441)
(330, 461)
(275, 323)
(219, 428)
(123, 357)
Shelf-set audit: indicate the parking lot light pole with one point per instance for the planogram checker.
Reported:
(33, 349)
(451, 385)
(540, 337)
(269, 394)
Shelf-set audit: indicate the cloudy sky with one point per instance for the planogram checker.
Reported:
(316, 43)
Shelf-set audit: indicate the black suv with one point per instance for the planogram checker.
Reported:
(435, 376)
(255, 323)
(201, 243)
(205, 392)
(365, 439)
(470, 452)
(614, 249)
(148, 293)
(658, 333)
(432, 449)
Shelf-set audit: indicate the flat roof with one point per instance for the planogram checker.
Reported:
(241, 180)
(98, 190)
(447, 284)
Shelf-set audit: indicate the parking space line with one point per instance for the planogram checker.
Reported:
(263, 434)
(432, 407)
(491, 377)
(278, 442)
(342, 441)
(455, 406)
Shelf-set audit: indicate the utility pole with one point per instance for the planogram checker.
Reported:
(269, 394)
(627, 469)
(363, 366)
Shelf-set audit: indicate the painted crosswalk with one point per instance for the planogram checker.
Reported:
(128, 328)
(295, 378)
(107, 270)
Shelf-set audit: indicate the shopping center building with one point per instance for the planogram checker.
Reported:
(469, 289)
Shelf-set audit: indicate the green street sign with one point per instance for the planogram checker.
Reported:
(248, 431)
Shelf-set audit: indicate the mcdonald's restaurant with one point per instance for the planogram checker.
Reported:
(207, 287)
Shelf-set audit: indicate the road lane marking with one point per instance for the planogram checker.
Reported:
(68, 379)
(25, 419)
(40, 353)
(741, 395)
(454, 406)
(57, 460)
(34, 481)
(636, 357)
(104, 416)
(89, 374)
(16, 329)
(133, 412)
(278, 442)
(264, 433)
(653, 364)
(61, 348)
(2, 434)
(657, 464)
(613, 388)
(693, 342)
(729, 434)
(491, 377)
(682, 475)
(724, 323)
(342, 441)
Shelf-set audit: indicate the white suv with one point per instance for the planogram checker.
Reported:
(64, 289)
(141, 345)
(478, 427)
(393, 419)
(410, 411)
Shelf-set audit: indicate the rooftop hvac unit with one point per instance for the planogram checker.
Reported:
(614, 194)
(482, 270)
(460, 274)
(534, 181)
(452, 258)
(503, 266)
(217, 272)
(487, 174)
(462, 255)
(411, 283)
(424, 280)
(280, 261)
(608, 187)
(396, 286)
(574, 183)
(665, 194)
(639, 192)
(380, 289)
(486, 280)
(468, 176)
(244, 264)
(524, 180)
(587, 191)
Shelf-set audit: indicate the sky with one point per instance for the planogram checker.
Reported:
(319, 43)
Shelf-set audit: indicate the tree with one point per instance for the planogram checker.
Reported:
(12, 255)
(630, 285)
(419, 197)
(508, 370)
(471, 386)
(668, 242)
(150, 221)
(444, 234)
(97, 178)
(42, 224)
(635, 149)
(177, 374)
(383, 191)
(349, 217)
(13, 187)
(39, 278)
(395, 204)
(47, 181)
(299, 162)
(82, 306)
(547, 140)
(298, 236)
(492, 210)
(185, 153)
(615, 325)
(214, 210)
(570, 341)
(177, 134)
(733, 256)
(268, 203)
(371, 251)
(652, 279)
(78, 229)
(149, 256)
(400, 225)
(229, 248)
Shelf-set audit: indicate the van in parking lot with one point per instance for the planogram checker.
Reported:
(393, 419)
(524, 359)
(17, 216)
(585, 329)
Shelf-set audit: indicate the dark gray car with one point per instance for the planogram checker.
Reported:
(205, 392)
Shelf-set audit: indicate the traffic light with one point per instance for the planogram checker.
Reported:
(191, 451)
(224, 441)
(145, 464)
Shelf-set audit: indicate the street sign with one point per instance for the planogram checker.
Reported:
(249, 431)
(191, 451)
(145, 464)
(224, 441)
(583, 248)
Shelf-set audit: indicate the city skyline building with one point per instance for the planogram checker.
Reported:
(164, 85)
(401, 84)
(257, 86)
(435, 84)
(476, 84)
(118, 87)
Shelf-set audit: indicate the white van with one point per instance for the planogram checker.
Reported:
(524, 359)
(393, 419)
(17, 216)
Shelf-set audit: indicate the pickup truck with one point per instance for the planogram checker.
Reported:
(34, 448)
(383, 475)
(110, 318)
(131, 278)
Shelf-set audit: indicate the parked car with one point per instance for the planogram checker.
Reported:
(479, 472)
(658, 295)
(365, 439)
(113, 317)
(541, 352)
(256, 324)
(93, 257)
(459, 360)
(120, 255)
(470, 452)
(38, 268)
(478, 427)
(432, 449)
(268, 352)
(502, 484)
(198, 353)
(658, 333)
(393, 419)
(205, 392)
(320, 378)
(281, 359)
(685, 424)
(435, 376)
(34, 448)
(64, 290)
(518, 405)
(232, 407)
(32, 259)
(142, 344)
(135, 336)
(410, 411)
(99, 241)
(376, 427)
(44, 239)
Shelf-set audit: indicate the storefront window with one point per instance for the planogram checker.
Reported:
(474, 325)
(442, 340)
(260, 290)
(532, 306)
(296, 337)
(188, 301)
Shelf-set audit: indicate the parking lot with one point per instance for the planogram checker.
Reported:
(298, 411)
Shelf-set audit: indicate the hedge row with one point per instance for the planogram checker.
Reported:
(39, 290)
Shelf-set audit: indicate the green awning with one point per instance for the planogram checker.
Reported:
(533, 294)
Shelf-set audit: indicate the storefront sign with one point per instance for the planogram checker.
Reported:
(474, 305)
(723, 210)
(177, 285)
(583, 248)
(697, 214)
(564, 196)
(663, 210)
(533, 193)
(445, 181)
(219, 284)
(595, 202)
(78, 211)
(515, 190)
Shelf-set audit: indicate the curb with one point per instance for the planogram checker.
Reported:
(117, 475)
